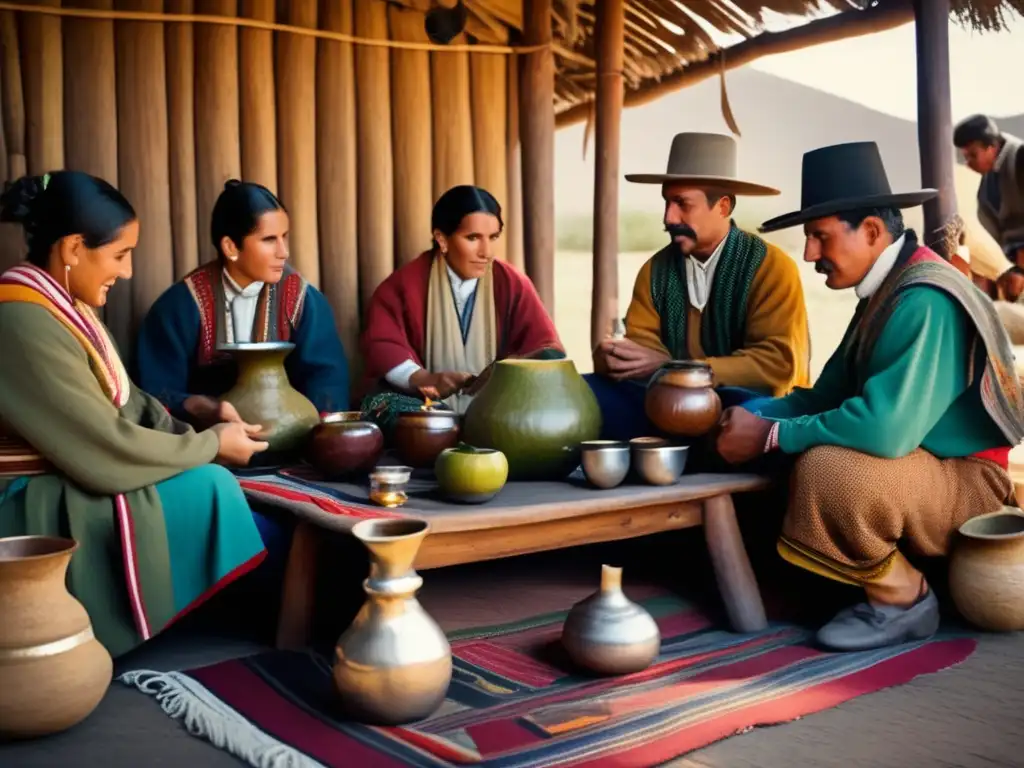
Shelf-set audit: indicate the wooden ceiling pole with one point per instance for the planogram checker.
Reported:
(934, 117)
(610, 31)
(537, 134)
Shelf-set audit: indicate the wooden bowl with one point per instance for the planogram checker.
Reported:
(420, 436)
(344, 443)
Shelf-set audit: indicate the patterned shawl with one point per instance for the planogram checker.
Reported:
(1000, 388)
(725, 316)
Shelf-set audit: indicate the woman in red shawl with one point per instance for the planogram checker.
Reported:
(435, 325)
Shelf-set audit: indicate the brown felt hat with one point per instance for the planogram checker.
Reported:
(703, 160)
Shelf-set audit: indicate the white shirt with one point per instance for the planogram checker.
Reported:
(880, 269)
(398, 377)
(700, 275)
(239, 309)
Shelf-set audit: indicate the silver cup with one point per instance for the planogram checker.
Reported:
(605, 462)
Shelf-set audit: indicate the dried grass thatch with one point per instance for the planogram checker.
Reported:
(665, 37)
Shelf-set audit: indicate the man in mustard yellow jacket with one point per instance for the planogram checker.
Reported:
(715, 293)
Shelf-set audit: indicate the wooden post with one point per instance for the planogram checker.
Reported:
(488, 85)
(604, 307)
(453, 124)
(296, 131)
(336, 177)
(514, 162)
(13, 127)
(218, 155)
(256, 81)
(42, 70)
(537, 132)
(934, 118)
(411, 134)
(90, 94)
(376, 164)
(13, 97)
(181, 116)
(143, 158)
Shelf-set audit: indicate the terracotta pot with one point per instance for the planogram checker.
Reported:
(393, 664)
(536, 412)
(471, 475)
(263, 395)
(681, 399)
(986, 570)
(343, 443)
(608, 633)
(420, 436)
(53, 671)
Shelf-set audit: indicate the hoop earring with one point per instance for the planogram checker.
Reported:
(67, 274)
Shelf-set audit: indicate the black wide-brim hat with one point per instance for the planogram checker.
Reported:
(841, 178)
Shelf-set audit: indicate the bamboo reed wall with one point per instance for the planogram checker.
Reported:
(357, 140)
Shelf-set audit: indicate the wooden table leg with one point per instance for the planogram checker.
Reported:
(733, 572)
(295, 620)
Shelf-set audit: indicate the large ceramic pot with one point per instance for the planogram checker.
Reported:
(263, 395)
(536, 412)
(420, 436)
(681, 399)
(608, 633)
(393, 664)
(471, 475)
(344, 443)
(53, 671)
(986, 570)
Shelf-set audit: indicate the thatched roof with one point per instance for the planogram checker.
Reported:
(665, 38)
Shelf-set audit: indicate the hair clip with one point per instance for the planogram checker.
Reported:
(46, 181)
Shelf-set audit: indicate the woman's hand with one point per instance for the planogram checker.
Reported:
(236, 445)
(445, 382)
(206, 411)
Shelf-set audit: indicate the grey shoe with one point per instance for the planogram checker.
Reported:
(865, 627)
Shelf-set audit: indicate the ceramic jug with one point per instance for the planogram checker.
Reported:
(53, 671)
(986, 570)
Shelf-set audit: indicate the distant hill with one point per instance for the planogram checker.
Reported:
(779, 121)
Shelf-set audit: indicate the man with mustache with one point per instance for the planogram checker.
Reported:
(714, 293)
(906, 433)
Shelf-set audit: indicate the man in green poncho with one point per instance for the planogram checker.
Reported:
(906, 434)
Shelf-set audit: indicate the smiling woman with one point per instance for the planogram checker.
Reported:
(249, 293)
(83, 450)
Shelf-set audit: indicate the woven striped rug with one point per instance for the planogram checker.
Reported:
(513, 702)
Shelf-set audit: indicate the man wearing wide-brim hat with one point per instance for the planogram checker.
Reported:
(714, 293)
(906, 434)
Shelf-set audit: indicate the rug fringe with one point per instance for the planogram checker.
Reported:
(206, 716)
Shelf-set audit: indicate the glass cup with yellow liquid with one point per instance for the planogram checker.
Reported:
(388, 484)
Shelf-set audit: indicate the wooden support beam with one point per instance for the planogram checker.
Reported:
(837, 27)
(934, 118)
(537, 134)
(604, 305)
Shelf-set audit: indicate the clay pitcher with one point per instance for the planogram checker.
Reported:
(986, 570)
(609, 634)
(681, 399)
(393, 664)
(53, 671)
(263, 395)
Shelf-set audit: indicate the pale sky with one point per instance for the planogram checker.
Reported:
(879, 71)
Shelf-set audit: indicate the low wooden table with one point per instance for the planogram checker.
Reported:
(533, 517)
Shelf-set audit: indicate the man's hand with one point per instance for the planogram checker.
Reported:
(742, 435)
(622, 359)
(1011, 282)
